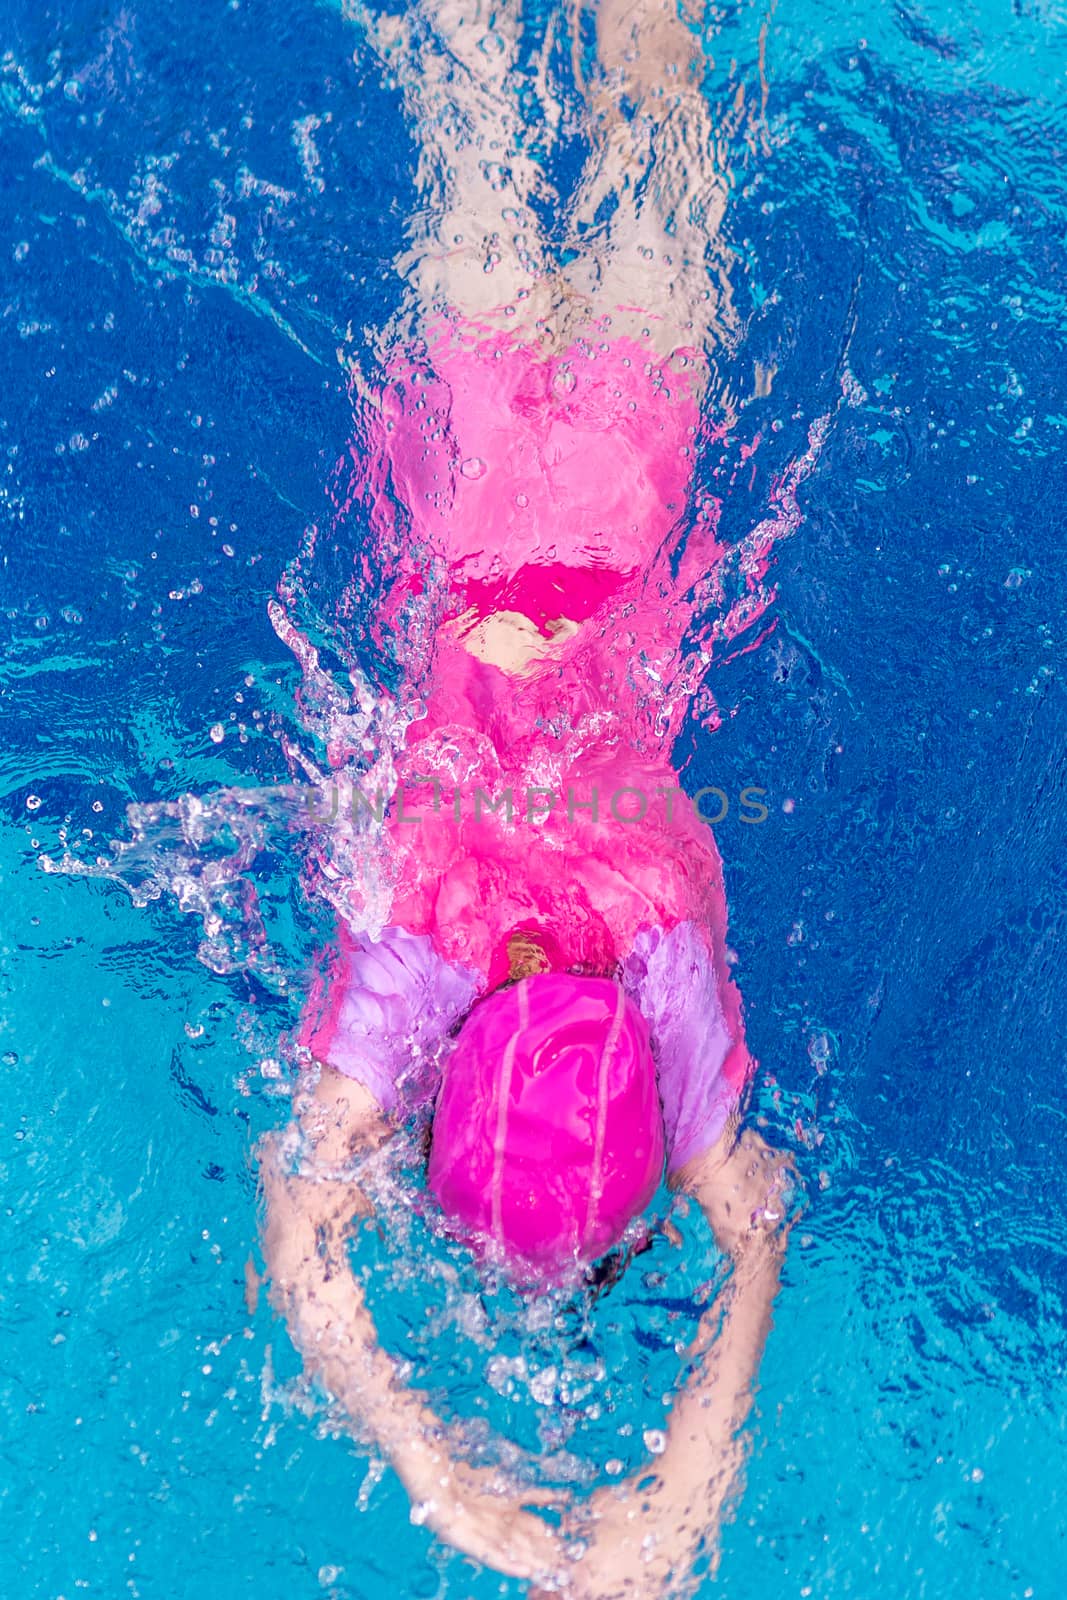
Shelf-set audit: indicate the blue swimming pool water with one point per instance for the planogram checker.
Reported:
(198, 211)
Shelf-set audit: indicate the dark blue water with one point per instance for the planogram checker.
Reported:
(199, 211)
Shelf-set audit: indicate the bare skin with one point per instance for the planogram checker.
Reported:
(310, 1219)
(645, 1533)
(511, 641)
(655, 272)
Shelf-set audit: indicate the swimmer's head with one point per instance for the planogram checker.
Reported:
(548, 1134)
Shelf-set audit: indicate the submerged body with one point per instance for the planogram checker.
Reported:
(552, 975)
(540, 497)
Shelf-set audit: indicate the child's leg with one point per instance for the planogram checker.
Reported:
(475, 242)
(656, 262)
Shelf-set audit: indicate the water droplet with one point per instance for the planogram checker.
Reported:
(33, 802)
(473, 467)
(521, 499)
(217, 733)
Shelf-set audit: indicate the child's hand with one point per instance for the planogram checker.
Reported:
(480, 1512)
(640, 1543)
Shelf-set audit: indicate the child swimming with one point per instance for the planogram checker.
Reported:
(553, 979)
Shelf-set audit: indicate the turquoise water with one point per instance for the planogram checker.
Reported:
(195, 219)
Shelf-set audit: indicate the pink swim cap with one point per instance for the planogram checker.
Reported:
(548, 1134)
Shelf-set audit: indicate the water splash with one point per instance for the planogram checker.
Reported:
(204, 852)
(200, 852)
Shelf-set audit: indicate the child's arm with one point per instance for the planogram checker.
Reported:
(739, 1186)
(652, 1525)
(308, 1220)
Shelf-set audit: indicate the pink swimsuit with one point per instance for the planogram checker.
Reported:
(501, 479)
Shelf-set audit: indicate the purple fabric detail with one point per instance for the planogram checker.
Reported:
(672, 978)
(387, 1006)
